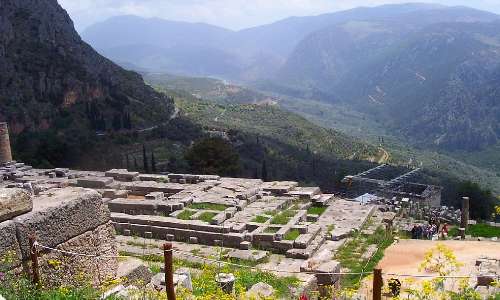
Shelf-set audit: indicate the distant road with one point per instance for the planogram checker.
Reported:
(173, 116)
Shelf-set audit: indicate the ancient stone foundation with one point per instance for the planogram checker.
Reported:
(5, 152)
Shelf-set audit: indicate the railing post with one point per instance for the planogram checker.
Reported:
(34, 261)
(377, 284)
(169, 271)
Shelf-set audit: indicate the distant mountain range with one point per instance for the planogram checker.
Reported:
(66, 105)
(428, 71)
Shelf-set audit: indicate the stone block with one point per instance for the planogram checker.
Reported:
(100, 240)
(158, 281)
(218, 219)
(183, 278)
(193, 240)
(61, 215)
(303, 229)
(61, 172)
(134, 271)
(169, 237)
(148, 235)
(323, 273)
(14, 202)
(122, 174)
(155, 196)
(260, 290)
(303, 241)
(312, 218)
(94, 182)
(283, 246)
(127, 232)
(245, 245)
(144, 207)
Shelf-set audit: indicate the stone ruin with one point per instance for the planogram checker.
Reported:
(80, 211)
(71, 206)
(67, 219)
(395, 184)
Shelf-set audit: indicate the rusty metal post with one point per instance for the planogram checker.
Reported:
(169, 271)
(377, 284)
(34, 261)
(465, 213)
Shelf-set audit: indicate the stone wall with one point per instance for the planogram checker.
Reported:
(69, 219)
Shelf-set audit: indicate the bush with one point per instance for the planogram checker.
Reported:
(213, 156)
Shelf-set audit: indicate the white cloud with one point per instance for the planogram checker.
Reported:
(235, 14)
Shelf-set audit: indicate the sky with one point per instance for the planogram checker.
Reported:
(232, 14)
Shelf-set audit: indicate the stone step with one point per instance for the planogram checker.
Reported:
(310, 250)
(304, 240)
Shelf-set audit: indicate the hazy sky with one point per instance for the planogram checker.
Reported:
(234, 14)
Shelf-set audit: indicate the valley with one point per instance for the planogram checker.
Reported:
(339, 117)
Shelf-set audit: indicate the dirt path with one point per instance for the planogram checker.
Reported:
(406, 256)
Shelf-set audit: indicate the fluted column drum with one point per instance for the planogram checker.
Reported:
(5, 152)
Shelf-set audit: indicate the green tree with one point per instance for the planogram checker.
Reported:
(213, 156)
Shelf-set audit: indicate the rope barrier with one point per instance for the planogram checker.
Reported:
(36, 244)
(270, 270)
(438, 276)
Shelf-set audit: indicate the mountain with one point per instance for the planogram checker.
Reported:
(434, 84)
(249, 54)
(56, 91)
(69, 106)
(156, 44)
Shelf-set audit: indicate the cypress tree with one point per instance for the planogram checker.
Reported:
(136, 166)
(145, 159)
(264, 170)
(256, 173)
(153, 162)
(117, 122)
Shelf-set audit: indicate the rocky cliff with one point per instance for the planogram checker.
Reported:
(51, 79)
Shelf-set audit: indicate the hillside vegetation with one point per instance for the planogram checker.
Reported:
(222, 112)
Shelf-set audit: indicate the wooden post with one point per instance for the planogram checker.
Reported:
(169, 271)
(377, 284)
(34, 261)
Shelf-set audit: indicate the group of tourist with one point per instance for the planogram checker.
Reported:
(428, 231)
